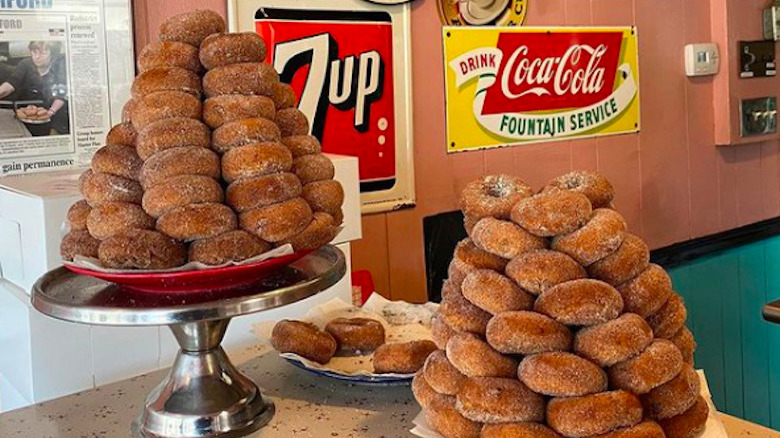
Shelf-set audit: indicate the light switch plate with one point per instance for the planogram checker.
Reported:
(758, 116)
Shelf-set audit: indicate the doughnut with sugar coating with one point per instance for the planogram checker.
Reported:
(670, 318)
(158, 54)
(284, 96)
(165, 105)
(244, 131)
(78, 242)
(460, 314)
(77, 215)
(326, 195)
(441, 332)
(525, 332)
(402, 358)
(111, 218)
(473, 357)
(233, 246)
(356, 334)
(197, 221)
(98, 188)
(166, 79)
(179, 161)
(219, 110)
(244, 78)
(321, 230)
(443, 377)
(117, 160)
(631, 258)
(601, 236)
(314, 167)
(538, 270)
(552, 213)
(221, 49)
(127, 111)
(499, 400)
(468, 257)
(588, 182)
(247, 194)
(304, 339)
(684, 340)
(121, 134)
(645, 429)
(292, 121)
(647, 292)
(179, 191)
(422, 391)
(191, 27)
(444, 418)
(614, 341)
(673, 397)
(659, 363)
(690, 423)
(582, 302)
(561, 374)
(277, 222)
(171, 133)
(518, 430)
(593, 414)
(141, 249)
(253, 160)
(493, 196)
(468, 223)
(494, 293)
(504, 239)
(301, 145)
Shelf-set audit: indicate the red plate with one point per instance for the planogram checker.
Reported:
(228, 277)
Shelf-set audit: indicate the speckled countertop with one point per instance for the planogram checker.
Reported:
(306, 406)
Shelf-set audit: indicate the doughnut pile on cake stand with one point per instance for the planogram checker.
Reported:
(554, 323)
(204, 394)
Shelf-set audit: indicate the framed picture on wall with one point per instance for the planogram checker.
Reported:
(349, 62)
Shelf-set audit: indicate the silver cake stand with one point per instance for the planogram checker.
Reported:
(204, 395)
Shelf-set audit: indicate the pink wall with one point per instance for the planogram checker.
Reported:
(672, 182)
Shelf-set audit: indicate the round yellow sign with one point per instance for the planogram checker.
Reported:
(482, 12)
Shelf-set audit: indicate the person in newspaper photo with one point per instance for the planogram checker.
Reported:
(39, 85)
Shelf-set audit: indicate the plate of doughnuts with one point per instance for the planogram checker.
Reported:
(193, 281)
(33, 115)
(381, 344)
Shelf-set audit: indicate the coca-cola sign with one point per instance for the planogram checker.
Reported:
(529, 85)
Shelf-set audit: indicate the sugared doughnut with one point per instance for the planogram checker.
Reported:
(647, 292)
(504, 239)
(468, 223)
(450, 288)
(580, 302)
(327, 196)
(192, 27)
(590, 183)
(538, 270)
(128, 109)
(78, 242)
(460, 314)
(244, 78)
(443, 377)
(110, 218)
(402, 358)
(552, 213)
(277, 222)
(141, 249)
(166, 79)
(475, 358)
(121, 134)
(494, 293)
(197, 221)
(250, 193)
(221, 49)
(98, 188)
(301, 145)
(645, 429)
(670, 318)
(597, 239)
(321, 230)
(357, 334)
(517, 430)
(422, 391)
(179, 191)
(233, 246)
(684, 340)
(172, 133)
(315, 167)
(159, 54)
(441, 332)
(468, 257)
(445, 419)
(244, 131)
(493, 196)
(165, 105)
(499, 400)
(690, 423)
(614, 341)
(658, 364)
(560, 374)
(77, 215)
(673, 397)
(219, 110)
(253, 160)
(292, 121)
(117, 160)
(284, 96)
(593, 414)
(166, 164)
(631, 258)
(525, 332)
(304, 339)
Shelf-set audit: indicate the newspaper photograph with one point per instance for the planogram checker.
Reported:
(55, 86)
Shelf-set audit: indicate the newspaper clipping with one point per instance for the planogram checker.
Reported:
(54, 85)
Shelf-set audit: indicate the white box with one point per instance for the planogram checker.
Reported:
(347, 175)
(32, 212)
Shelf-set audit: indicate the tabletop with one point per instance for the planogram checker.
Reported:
(10, 127)
(307, 406)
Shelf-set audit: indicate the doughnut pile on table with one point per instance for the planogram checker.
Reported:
(212, 162)
(554, 323)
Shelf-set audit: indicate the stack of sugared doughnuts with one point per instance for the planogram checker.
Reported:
(554, 323)
(166, 189)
